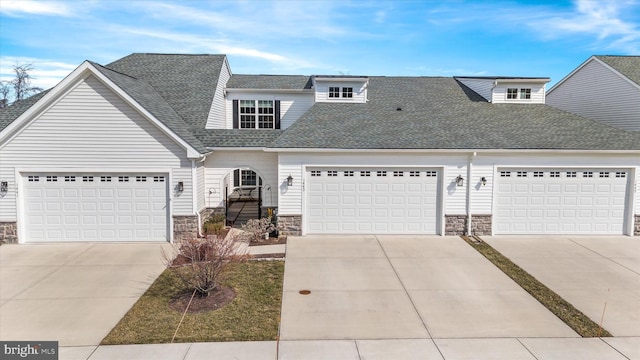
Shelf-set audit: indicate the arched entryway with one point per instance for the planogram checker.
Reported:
(243, 196)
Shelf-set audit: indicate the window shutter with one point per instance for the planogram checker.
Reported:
(236, 177)
(236, 117)
(277, 114)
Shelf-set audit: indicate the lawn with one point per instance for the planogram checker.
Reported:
(253, 315)
(571, 316)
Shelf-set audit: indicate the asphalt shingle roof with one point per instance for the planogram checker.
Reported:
(237, 137)
(186, 82)
(282, 82)
(12, 112)
(441, 113)
(628, 66)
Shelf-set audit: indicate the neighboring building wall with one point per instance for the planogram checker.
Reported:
(220, 165)
(597, 92)
(216, 118)
(91, 129)
(292, 105)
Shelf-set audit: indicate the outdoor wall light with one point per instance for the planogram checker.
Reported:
(180, 186)
(289, 180)
(483, 180)
(459, 181)
(4, 186)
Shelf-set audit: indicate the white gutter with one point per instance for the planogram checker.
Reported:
(457, 151)
(469, 164)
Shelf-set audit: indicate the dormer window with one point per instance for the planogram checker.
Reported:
(256, 114)
(334, 92)
(347, 92)
(515, 93)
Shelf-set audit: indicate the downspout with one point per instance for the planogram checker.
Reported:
(194, 199)
(469, 164)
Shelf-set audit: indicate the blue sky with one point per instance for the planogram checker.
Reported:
(402, 37)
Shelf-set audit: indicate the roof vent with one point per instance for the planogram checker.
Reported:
(398, 108)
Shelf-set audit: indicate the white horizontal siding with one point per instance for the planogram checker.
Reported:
(359, 91)
(200, 196)
(216, 118)
(481, 195)
(220, 165)
(456, 196)
(91, 129)
(481, 86)
(537, 93)
(596, 92)
(292, 106)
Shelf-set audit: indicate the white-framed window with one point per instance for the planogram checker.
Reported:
(156, 179)
(431, 173)
(347, 92)
(521, 174)
(123, 179)
(587, 174)
(141, 179)
(51, 178)
(348, 173)
(515, 93)
(621, 174)
(505, 173)
(105, 178)
(33, 178)
(571, 174)
(87, 179)
(414, 173)
(248, 178)
(604, 174)
(398, 173)
(554, 174)
(538, 174)
(332, 173)
(265, 114)
(316, 173)
(381, 173)
(69, 178)
(365, 173)
(247, 114)
(334, 92)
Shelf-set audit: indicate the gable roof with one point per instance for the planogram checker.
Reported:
(442, 113)
(629, 66)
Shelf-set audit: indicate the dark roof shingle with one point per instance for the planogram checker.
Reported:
(628, 66)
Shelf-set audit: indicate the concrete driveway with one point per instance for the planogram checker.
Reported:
(590, 272)
(72, 293)
(403, 287)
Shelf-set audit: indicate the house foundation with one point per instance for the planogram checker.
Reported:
(9, 232)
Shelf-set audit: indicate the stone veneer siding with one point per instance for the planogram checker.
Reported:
(457, 224)
(636, 226)
(290, 225)
(185, 228)
(8, 232)
(208, 212)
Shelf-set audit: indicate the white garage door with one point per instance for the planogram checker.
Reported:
(372, 201)
(561, 201)
(95, 207)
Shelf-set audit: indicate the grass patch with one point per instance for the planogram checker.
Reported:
(571, 316)
(253, 315)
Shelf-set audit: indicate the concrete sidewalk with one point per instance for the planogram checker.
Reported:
(405, 349)
(596, 274)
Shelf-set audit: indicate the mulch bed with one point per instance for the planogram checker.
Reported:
(216, 299)
(270, 241)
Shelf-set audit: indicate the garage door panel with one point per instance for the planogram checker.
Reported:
(373, 201)
(574, 201)
(95, 207)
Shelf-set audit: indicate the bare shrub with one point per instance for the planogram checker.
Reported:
(202, 263)
(255, 229)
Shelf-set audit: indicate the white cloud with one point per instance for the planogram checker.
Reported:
(602, 19)
(32, 7)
